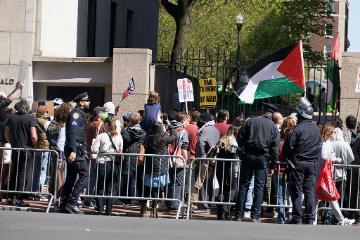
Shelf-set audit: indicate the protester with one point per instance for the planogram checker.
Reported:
(41, 158)
(192, 130)
(328, 154)
(107, 166)
(20, 132)
(350, 132)
(5, 100)
(156, 168)
(222, 117)
(177, 171)
(132, 166)
(278, 176)
(224, 170)
(152, 112)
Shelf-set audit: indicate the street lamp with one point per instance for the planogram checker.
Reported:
(239, 23)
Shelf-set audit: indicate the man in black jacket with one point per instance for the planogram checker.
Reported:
(133, 137)
(301, 149)
(260, 138)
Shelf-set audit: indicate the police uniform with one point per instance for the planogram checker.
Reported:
(260, 139)
(76, 125)
(302, 149)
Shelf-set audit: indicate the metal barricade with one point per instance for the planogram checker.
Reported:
(214, 180)
(130, 176)
(347, 181)
(27, 172)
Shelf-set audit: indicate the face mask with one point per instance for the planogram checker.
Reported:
(104, 116)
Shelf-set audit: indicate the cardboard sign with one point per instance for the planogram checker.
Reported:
(185, 89)
(208, 93)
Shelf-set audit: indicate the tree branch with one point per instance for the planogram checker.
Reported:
(171, 8)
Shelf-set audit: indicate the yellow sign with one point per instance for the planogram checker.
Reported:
(208, 93)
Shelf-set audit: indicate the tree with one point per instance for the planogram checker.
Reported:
(181, 12)
(269, 24)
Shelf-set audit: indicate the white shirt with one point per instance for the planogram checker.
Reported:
(61, 141)
(102, 144)
(327, 151)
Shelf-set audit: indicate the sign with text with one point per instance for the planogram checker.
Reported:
(185, 89)
(208, 93)
(357, 87)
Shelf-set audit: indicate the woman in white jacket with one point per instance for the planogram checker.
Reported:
(328, 154)
(107, 166)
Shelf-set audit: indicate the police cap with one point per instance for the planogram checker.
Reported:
(268, 107)
(81, 97)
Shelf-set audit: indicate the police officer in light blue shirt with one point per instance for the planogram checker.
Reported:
(75, 153)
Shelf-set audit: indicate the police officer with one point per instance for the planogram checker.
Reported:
(301, 149)
(260, 138)
(75, 153)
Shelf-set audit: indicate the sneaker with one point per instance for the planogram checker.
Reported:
(73, 209)
(347, 222)
(247, 215)
(44, 198)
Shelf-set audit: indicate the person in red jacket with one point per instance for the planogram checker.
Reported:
(192, 130)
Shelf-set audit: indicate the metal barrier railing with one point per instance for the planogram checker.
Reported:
(130, 176)
(27, 173)
(208, 175)
(347, 181)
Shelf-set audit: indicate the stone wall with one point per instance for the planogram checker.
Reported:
(349, 99)
(131, 63)
(17, 27)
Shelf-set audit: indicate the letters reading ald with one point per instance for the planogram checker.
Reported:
(7, 81)
(208, 93)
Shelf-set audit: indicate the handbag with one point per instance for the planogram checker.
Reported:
(325, 186)
(181, 154)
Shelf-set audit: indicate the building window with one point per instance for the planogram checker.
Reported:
(327, 51)
(91, 28)
(330, 7)
(113, 10)
(329, 30)
(129, 29)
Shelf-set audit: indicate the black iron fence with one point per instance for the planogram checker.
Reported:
(229, 74)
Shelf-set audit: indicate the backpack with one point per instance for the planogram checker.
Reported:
(175, 149)
(53, 132)
(42, 142)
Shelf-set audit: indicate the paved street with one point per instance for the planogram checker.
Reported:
(32, 225)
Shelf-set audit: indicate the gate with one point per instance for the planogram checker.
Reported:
(222, 66)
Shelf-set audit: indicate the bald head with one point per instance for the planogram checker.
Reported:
(278, 118)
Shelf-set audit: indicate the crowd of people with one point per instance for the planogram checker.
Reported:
(288, 150)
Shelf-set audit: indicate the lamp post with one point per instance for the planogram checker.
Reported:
(239, 23)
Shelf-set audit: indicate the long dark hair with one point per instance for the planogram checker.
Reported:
(156, 135)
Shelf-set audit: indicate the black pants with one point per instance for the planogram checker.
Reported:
(21, 173)
(106, 184)
(302, 181)
(257, 165)
(224, 177)
(127, 185)
(72, 187)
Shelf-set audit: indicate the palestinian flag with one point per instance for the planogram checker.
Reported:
(333, 76)
(281, 73)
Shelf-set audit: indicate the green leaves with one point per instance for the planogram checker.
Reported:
(268, 25)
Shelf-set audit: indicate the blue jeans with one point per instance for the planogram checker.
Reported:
(257, 165)
(250, 195)
(279, 183)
